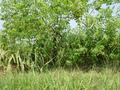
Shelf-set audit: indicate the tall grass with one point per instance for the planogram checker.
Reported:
(62, 80)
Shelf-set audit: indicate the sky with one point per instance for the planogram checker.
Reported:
(73, 23)
(1, 23)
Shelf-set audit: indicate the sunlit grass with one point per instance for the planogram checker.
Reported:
(60, 79)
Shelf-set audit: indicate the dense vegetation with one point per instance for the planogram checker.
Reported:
(37, 34)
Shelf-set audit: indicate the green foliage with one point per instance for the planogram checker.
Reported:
(37, 33)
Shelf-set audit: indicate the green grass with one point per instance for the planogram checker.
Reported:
(60, 79)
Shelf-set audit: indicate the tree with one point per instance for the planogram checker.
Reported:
(38, 32)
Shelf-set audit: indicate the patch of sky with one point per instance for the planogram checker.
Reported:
(1, 24)
(90, 1)
(104, 6)
(73, 23)
(115, 8)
